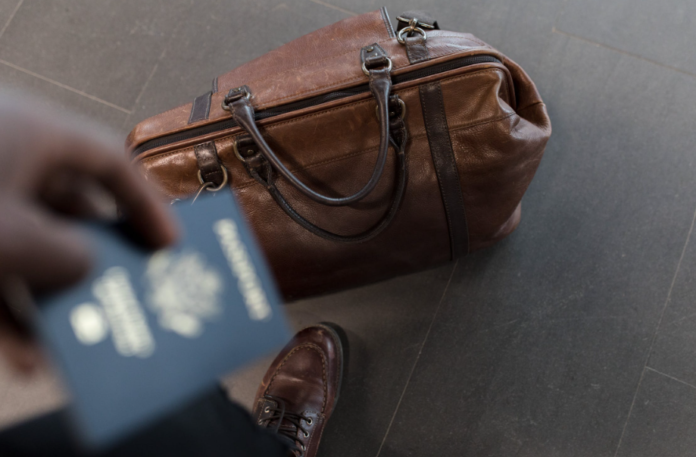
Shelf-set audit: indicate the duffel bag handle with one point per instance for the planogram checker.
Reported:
(262, 172)
(377, 66)
(261, 162)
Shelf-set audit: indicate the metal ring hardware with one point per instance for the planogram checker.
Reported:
(367, 72)
(245, 94)
(225, 179)
(409, 29)
(403, 109)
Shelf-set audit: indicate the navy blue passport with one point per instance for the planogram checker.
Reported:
(147, 331)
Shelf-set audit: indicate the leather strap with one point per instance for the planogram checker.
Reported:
(378, 67)
(262, 172)
(201, 108)
(416, 50)
(374, 56)
(209, 163)
(445, 167)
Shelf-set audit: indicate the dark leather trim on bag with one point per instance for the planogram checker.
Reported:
(200, 108)
(445, 167)
(209, 167)
(416, 49)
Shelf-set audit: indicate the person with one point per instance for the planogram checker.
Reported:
(53, 168)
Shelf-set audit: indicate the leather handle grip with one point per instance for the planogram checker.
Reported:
(397, 196)
(380, 86)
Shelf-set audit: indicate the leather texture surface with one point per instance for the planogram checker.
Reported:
(306, 378)
(498, 128)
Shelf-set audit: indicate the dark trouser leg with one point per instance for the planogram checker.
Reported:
(212, 426)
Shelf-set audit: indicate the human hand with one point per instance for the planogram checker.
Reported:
(50, 168)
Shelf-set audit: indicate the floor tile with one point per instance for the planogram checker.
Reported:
(660, 31)
(48, 95)
(218, 36)
(674, 351)
(541, 341)
(7, 8)
(105, 48)
(662, 423)
(386, 324)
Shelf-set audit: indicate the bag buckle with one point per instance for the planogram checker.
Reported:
(235, 94)
(367, 72)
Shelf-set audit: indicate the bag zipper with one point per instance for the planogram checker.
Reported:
(229, 123)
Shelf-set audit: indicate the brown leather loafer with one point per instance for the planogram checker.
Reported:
(301, 387)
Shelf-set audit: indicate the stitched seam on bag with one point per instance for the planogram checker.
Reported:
(452, 166)
(343, 81)
(323, 366)
(334, 159)
(251, 182)
(327, 161)
(387, 22)
(316, 62)
(437, 170)
(403, 92)
(530, 106)
(475, 40)
(329, 86)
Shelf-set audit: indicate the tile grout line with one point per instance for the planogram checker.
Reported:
(152, 73)
(415, 363)
(621, 51)
(63, 86)
(14, 12)
(671, 377)
(337, 8)
(657, 329)
(142, 91)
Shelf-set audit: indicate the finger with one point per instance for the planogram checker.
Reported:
(44, 250)
(71, 144)
(74, 196)
(138, 201)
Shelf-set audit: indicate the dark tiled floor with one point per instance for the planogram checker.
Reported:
(574, 337)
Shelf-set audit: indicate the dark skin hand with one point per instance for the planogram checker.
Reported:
(51, 166)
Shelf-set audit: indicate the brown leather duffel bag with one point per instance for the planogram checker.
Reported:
(359, 152)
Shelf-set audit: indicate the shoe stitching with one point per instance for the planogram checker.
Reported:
(323, 366)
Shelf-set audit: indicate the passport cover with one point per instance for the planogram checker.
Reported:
(147, 331)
